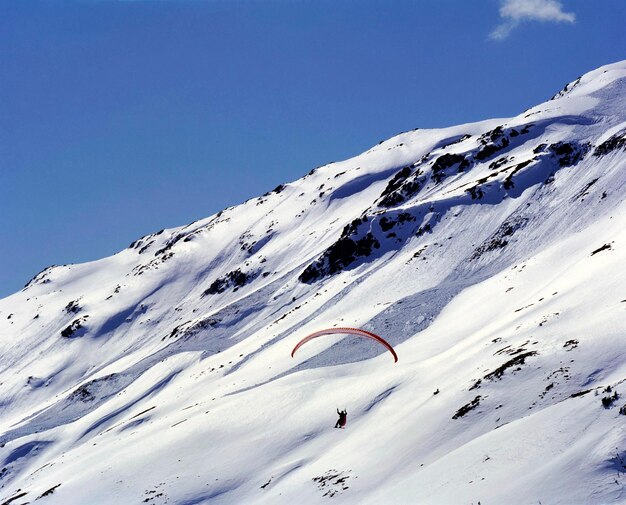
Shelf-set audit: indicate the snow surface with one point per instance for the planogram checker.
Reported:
(490, 255)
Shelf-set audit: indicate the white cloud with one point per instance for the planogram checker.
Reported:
(513, 12)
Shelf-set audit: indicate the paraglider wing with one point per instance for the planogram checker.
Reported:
(349, 331)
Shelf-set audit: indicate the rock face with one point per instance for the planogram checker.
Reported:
(489, 255)
(403, 199)
(343, 253)
(234, 279)
(615, 143)
(76, 328)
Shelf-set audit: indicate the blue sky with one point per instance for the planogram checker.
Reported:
(119, 118)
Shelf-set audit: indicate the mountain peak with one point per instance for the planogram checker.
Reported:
(591, 82)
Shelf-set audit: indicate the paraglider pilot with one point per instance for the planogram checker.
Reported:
(343, 417)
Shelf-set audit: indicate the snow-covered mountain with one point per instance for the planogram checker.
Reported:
(490, 255)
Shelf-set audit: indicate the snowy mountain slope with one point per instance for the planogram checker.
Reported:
(489, 254)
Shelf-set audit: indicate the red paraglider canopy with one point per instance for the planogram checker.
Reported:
(350, 331)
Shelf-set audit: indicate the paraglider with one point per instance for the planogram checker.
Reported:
(343, 414)
(349, 331)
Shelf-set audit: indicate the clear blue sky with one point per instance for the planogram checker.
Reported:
(119, 118)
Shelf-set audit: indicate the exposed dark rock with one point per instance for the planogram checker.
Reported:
(465, 164)
(82, 393)
(140, 269)
(402, 187)
(568, 153)
(333, 481)
(405, 217)
(492, 141)
(189, 329)
(17, 496)
(387, 223)
(585, 191)
(476, 385)
(346, 250)
(499, 239)
(490, 149)
(49, 491)
(617, 141)
(608, 401)
(423, 229)
(278, 189)
(443, 163)
(419, 252)
(170, 243)
(498, 139)
(146, 247)
(517, 360)
(234, 279)
(499, 162)
(74, 327)
(136, 243)
(396, 180)
(467, 408)
(508, 182)
(494, 135)
(457, 141)
(311, 273)
(73, 307)
(605, 247)
(41, 277)
(352, 227)
(86, 392)
(476, 192)
(338, 256)
(568, 87)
